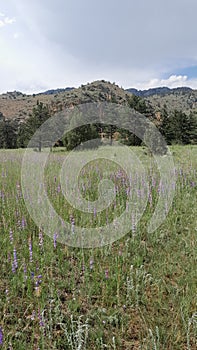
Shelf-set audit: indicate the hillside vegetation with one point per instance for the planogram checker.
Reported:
(174, 112)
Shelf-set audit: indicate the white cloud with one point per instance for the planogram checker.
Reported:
(172, 82)
(6, 20)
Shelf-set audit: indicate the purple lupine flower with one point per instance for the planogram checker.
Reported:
(1, 336)
(107, 274)
(41, 239)
(15, 262)
(133, 224)
(2, 195)
(13, 268)
(11, 236)
(33, 315)
(30, 251)
(55, 240)
(23, 223)
(150, 199)
(9, 257)
(38, 281)
(25, 272)
(40, 317)
(91, 264)
(193, 184)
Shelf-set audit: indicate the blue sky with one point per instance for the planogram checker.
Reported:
(48, 44)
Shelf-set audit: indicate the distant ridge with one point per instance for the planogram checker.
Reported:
(18, 106)
(158, 91)
(56, 91)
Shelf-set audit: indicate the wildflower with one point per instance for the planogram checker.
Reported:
(33, 315)
(30, 251)
(15, 263)
(91, 264)
(38, 281)
(23, 223)
(133, 223)
(40, 317)
(25, 271)
(1, 336)
(55, 240)
(40, 239)
(106, 274)
(11, 236)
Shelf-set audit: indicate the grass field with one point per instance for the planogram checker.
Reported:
(139, 292)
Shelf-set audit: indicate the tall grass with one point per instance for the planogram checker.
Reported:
(137, 293)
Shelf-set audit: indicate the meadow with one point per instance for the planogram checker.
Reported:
(138, 292)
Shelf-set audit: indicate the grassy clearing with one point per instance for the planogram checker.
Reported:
(137, 293)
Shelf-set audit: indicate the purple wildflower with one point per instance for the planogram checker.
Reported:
(25, 271)
(33, 315)
(91, 264)
(15, 262)
(1, 336)
(23, 223)
(41, 239)
(40, 317)
(30, 251)
(38, 281)
(55, 240)
(107, 274)
(11, 236)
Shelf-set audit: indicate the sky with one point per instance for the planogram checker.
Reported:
(49, 44)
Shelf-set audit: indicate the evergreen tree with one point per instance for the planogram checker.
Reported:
(8, 134)
(27, 129)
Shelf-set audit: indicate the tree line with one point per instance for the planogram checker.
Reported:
(176, 127)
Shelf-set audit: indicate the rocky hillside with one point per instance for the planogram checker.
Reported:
(18, 106)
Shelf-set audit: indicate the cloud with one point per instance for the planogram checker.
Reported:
(68, 43)
(6, 20)
(171, 82)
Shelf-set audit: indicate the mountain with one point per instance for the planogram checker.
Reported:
(18, 106)
(159, 91)
(56, 91)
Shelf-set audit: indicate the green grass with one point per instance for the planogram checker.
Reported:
(137, 293)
